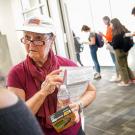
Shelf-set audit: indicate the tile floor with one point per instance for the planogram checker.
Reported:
(113, 111)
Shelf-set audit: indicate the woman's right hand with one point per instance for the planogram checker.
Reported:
(52, 81)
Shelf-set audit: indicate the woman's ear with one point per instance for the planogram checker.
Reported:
(52, 40)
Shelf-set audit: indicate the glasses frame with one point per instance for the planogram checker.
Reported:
(37, 42)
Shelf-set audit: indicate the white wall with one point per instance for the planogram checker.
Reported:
(7, 27)
(122, 10)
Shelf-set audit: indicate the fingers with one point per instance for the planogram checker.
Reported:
(52, 81)
(52, 89)
(77, 117)
(48, 88)
(54, 78)
(51, 84)
(56, 72)
(74, 107)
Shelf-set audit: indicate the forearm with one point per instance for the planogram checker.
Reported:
(133, 34)
(89, 43)
(105, 36)
(86, 42)
(89, 95)
(35, 102)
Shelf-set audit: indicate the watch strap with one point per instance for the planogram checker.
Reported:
(80, 106)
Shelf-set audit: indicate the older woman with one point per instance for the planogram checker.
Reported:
(36, 78)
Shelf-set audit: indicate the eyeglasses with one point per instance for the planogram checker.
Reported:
(26, 41)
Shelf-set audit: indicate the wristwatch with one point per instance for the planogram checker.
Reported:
(81, 106)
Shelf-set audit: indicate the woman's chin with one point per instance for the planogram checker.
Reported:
(34, 57)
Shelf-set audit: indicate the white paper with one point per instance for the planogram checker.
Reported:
(77, 80)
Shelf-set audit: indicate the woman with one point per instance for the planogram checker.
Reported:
(108, 37)
(118, 42)
(93, 49)
(36, 79)
(133, 11)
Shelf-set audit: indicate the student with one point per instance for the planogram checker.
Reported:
(133, 13)
(108, 37)
(93, 49)
(121, 50)
(77, 48)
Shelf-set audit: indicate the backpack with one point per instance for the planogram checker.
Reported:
(99, 40)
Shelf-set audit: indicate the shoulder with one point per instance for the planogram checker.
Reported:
(109, 27)
(16, 76)
(65, 62)
(17, 68)
(119, 36)
(7, 98)
(92, 34)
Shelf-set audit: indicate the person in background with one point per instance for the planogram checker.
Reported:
(93, 49)
(133, 13)
(15, 117)
(108, 37)
(118, 43)
(36, 79)
(77, 48)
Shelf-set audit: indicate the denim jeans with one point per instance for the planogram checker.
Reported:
(113, 58)
(113, 55)
(93, 51)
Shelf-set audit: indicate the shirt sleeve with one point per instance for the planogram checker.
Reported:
(14, 79)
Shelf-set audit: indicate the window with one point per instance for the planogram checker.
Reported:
(33, 7)
(28, 4)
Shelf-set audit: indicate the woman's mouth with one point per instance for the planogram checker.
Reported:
(32, 51)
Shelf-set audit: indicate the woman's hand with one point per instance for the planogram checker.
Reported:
(75, 109)
(52, 81)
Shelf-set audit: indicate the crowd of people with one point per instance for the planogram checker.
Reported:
(118, 42)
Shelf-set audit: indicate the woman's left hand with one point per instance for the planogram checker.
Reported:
(75, 109)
